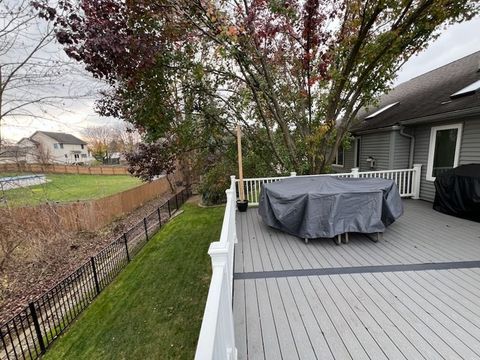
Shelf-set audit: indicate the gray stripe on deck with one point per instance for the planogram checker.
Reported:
(357, 270)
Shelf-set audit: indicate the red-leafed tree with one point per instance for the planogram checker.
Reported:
(293, 73)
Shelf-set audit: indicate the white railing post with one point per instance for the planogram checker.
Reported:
(219, 255)
(293, 173)
(233, 185)
(355, 172)
(233, 191)
(417, 174)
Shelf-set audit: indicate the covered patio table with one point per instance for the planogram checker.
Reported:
(327, 206)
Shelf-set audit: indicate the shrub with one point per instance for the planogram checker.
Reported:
(213, 185)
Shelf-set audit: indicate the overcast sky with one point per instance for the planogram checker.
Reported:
(454, 42)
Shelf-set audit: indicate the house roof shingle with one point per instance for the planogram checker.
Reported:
(426, 95)
(62, 138)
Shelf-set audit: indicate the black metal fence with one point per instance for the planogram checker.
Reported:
(29, 333)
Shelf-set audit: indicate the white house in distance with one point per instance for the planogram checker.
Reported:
(55, 147)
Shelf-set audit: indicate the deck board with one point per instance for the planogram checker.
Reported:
(421, 235)
(421, 314)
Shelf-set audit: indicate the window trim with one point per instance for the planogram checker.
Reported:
(431, 148)
(356, 159)
(336, 159)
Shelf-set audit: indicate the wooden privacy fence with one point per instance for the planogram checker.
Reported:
(65, 169)
(93, 214)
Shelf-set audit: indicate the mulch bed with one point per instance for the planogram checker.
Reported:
(22, 283)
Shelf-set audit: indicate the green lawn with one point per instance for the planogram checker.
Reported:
(154, 309)
(65, 188)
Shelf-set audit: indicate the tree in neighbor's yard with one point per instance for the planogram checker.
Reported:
(31, 76)
(103, 141)
(293, 73)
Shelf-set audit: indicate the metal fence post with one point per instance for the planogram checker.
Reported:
(36, 324)
(146, 228)
(169, 211)
(95, 277)
(159, 218)
(126, 246)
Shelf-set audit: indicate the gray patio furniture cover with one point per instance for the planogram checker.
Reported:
(326, 206)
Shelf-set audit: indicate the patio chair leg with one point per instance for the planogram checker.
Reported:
(346, 239)
(338, 239)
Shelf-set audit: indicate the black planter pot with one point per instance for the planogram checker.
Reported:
(242, 205)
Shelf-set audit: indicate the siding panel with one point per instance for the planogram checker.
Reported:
(401, 151)
(470, 151)
(422, 142)
(378, 146)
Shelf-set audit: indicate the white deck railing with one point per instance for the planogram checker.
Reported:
(407, 180)
(217, 339)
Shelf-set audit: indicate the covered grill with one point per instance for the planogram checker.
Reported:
(325, 206)
(458, 192)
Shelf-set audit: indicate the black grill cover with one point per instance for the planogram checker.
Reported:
(458, 192)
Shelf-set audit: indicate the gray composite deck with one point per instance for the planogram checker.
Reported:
(414, 295)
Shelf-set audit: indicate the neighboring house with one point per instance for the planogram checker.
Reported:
(47, 147)
(60, 147)
(433, 120)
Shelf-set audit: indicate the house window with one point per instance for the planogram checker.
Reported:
(55, 146)
(82, 146)
(444, 149)
(340, 157)
(61, 146)
(84, 155)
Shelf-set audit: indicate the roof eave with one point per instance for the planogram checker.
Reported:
(450, 115)
(444, 116)
(376, 130)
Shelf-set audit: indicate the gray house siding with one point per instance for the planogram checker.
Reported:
(422, 141)
(390, 150)
(400, 153)
(377, 146)
(348, 161)
(469, 150)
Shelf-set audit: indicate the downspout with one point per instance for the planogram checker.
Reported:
(412, 145)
